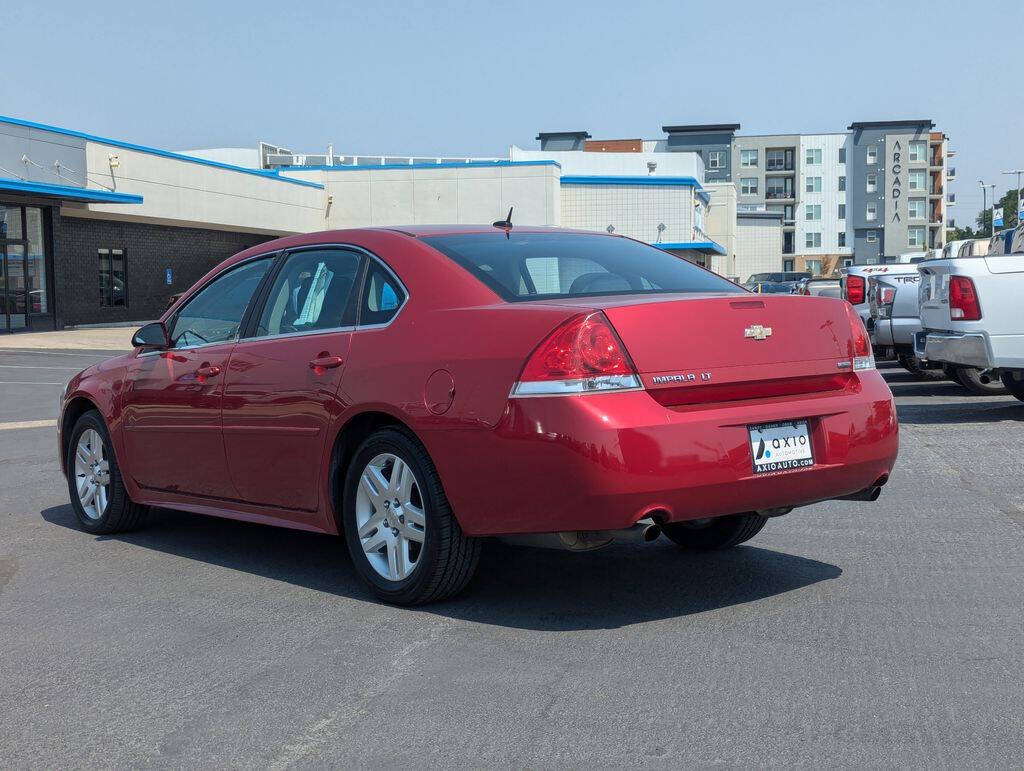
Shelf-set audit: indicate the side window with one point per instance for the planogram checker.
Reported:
(313, 291)
(382, 297)
(214, 313)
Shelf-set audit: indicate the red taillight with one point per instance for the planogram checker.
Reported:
(888, 294)
(582, 355)
(805, 291)
(859, 348)
(963, 300)
(855, 290)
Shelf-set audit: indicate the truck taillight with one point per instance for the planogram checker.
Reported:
(854, 290)
(860, 344)
(887, 295)
(583, 355)
(963, 300)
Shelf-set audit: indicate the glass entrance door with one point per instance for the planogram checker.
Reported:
(14, 297)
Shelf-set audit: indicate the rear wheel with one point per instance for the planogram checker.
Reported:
(980, 382)
(717, 533)
(97, 491)
(951, 372)
(1014, 382)
(403, 537)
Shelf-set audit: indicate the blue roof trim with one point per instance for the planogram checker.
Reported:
(154, 151)
(657, 181)
(68, 192)
(451, 165)
(696, 246)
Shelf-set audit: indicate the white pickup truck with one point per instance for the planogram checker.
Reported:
(971, 311)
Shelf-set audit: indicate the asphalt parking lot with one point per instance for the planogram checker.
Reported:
(845, 634)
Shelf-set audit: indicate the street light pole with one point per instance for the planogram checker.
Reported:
(1020, 204)
(984, 206)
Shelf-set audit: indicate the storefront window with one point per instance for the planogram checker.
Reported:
(10, 222)
(38, 302)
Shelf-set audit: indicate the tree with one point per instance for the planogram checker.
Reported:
(1009, 204)
(960, 234)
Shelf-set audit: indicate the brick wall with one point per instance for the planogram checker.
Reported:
(149, 251)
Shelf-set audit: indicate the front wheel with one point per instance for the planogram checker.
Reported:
(402, 535)
(980, 382)
(97, 491)
(1013, 379)
(714, 534)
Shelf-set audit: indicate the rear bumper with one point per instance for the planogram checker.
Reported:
(604, 461)
(965, 348)
(897, 332)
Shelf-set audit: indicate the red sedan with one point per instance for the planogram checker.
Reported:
(418, 389)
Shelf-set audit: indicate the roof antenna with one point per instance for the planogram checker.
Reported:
(505, 224)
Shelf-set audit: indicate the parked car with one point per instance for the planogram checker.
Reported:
(771, 287)
(970, 312)
(777, 277)
(416, 389)
(819, 287)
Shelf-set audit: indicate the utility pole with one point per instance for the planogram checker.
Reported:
(1020, 203)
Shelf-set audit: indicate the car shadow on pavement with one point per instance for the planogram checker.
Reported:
(520, 587)
(985, 410)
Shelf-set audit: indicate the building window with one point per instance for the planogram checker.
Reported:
(872, 154)
(842, 238)
(813, 266)
(915, 236)
(813, 185)
(787, 266)
(842, 184)
(918, 152)
(916, 208)
(748, 159)
(847, 261)
(113, 289)
(871, 183)
(716, 159)
(871, 236)
(813, 157)
(778, 160)
(872, 212)
(787, 212)
(812, 211)
(916, 179)
(842, 155)
(748, 185)
(812, 240)
(842, 211)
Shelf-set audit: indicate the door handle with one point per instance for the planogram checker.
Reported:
(322, 363)
(206, 371)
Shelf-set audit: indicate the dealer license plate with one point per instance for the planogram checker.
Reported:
(781, 446)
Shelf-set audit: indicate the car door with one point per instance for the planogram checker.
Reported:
(282, 380)
(171, 401)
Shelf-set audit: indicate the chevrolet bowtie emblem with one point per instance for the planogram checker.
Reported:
(757, 332)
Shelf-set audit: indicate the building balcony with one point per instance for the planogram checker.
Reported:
(778, 166)
(951, 173)
(780, 195)
(950, 199)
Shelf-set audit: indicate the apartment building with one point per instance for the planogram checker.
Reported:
(865, 195)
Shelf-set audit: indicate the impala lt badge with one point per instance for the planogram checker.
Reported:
(757, 332)
(688, 377)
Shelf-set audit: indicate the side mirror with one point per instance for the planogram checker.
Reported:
(152, 336)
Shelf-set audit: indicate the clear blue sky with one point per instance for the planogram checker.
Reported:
(473, 77)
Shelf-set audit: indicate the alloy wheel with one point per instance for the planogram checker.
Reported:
(390, 518)
(92, 474)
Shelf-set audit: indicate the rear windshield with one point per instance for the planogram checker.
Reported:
(529, 266)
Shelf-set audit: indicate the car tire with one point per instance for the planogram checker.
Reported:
(913, 365)
(715, 534)
(97, 491)
(980, 384)
(1014, 382)
(413, 552)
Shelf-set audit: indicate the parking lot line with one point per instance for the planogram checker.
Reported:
(28, 424)
(32, 366)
